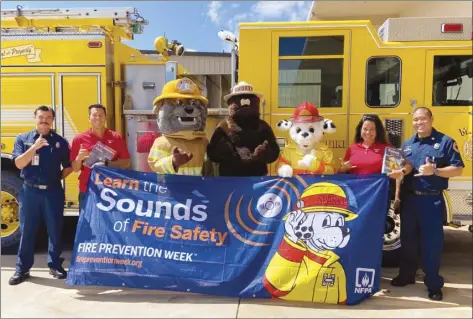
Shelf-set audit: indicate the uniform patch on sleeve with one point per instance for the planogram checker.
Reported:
(455, 147)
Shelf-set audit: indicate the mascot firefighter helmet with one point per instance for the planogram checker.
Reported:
(306, 112)
(325, 197)
(183, 88)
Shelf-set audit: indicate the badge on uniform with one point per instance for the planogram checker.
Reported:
(455, 147)
(35, 160)
(436, 146)
(58, 145)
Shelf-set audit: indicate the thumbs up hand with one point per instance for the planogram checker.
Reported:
(83, 153)
(40, 142)
(426, 169)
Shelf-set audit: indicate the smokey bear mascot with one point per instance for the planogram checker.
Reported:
(243, 145)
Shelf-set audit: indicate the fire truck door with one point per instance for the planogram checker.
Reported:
(21, 94)
(310, 66)
(449, 91)
(76, 92)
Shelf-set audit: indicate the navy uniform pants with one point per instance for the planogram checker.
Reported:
(422, 218)
(37, 204)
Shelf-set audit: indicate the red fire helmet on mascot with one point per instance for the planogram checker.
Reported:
(306, 112)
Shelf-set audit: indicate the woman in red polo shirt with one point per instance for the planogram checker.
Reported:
(365, 156)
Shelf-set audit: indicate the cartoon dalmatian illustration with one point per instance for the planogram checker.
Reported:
(305, 267)
(306, 154)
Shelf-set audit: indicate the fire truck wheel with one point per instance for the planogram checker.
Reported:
(392, 238)
(11, 234)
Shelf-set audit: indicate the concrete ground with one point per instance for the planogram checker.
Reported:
(44, 297)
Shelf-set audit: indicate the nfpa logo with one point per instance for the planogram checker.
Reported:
(364, 280)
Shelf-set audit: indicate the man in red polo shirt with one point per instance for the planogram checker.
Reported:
(83, 143)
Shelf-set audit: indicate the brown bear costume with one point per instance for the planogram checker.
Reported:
(243, 145)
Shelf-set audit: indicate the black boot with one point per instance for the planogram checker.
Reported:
(18, 277)
(436, 295)
(401, 282)
(58, 273)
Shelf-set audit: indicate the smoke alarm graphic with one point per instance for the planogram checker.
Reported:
(269, 205)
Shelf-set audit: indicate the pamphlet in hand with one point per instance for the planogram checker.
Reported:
(99, 153)
(393, 159)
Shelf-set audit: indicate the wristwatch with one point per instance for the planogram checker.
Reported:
(436, 172)
(106, 162)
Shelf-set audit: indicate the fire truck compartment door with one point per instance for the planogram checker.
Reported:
(21, 94)
(76, 92)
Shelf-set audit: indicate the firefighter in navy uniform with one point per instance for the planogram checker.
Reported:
(43, 157)
(435, 158)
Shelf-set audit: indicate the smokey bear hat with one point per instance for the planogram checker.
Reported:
(242, 88)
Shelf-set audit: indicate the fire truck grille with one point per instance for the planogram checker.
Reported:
(394, 131)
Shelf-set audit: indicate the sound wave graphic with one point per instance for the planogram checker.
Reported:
(255, 230)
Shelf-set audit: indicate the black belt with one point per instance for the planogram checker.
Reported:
(424, 193)
(40, 186)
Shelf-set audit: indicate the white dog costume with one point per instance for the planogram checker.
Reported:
(305, 268)
(306, 154)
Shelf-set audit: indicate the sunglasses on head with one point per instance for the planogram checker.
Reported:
(368, 118)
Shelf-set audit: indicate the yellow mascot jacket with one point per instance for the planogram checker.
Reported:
(323, 163)
(298, 273)
(160, 156)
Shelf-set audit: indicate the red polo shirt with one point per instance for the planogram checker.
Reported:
(88, 140)
(367, 160)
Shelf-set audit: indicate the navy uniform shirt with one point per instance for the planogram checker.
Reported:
(51, 158)
(441, 150)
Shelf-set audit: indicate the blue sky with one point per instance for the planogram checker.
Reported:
(194, 23)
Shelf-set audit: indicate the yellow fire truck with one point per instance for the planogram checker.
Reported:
(71, 58)
(348, 69)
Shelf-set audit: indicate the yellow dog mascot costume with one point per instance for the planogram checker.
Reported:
(307, 154)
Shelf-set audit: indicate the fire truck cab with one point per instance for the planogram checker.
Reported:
(348, 69)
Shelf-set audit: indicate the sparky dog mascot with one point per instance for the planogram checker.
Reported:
(182, 113)
(306, 154)
(243, 145)
(305, 266)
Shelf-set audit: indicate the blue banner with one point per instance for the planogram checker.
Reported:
(306, 238)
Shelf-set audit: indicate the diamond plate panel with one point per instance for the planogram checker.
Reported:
(423, 29)
(461, 201)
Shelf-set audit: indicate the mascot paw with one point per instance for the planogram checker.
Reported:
(306, 161)
(261, 150)
(285, 171)
(180, 157)
(284, 125)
